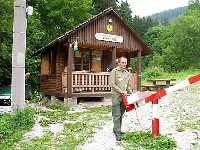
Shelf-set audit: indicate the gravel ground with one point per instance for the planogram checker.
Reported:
(174, 110)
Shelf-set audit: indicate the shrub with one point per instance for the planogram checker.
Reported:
(38, 98)
(58, 106)
(13, 126)
(152, 72)
(144, 140)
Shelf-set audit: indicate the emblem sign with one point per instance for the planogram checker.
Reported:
(109, 27)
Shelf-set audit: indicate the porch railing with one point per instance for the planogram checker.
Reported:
(87, 82)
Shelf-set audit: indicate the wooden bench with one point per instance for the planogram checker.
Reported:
(152, 87)
(157, 84)
(160, 81)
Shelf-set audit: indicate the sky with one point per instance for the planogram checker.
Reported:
(148, 7)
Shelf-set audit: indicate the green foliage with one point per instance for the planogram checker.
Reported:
(12, 127)
(133, 63)
(44, 122)
(24, 119)
(58, 106)
(38, 98)
(6, 11)
(57, 17)
(181, 75)
(100, 110)
(125, 12)
(144, 140)
(100, 5)
(152, 72)
(141, 25)
(41, 143)
(176, 45)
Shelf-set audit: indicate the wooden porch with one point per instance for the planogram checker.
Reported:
(87, 83)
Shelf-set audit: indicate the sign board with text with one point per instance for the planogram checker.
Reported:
(109, 37)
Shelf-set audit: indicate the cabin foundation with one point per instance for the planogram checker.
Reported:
(70, 101)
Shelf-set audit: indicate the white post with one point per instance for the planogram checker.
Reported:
(18, 55)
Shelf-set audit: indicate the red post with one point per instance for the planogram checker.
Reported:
(155, 119)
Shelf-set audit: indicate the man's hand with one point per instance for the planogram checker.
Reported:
(124, 92)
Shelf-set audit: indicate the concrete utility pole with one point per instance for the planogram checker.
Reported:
(18, 55)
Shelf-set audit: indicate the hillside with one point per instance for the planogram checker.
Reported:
(168, 15)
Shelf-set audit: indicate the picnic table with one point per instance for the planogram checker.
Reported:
(165, 82)
(157, 84)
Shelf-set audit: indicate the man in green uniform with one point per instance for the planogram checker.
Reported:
(120, 83)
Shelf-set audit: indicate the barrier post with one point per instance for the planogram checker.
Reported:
(155, 118)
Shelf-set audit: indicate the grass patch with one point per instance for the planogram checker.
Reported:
(12, 127)
(54, 116)
(38, 98)
(162, 75)
(58, 106)
(44, 122)
(144, 140)
(74, 133)
(180, 129)
(190, 124)
(180, 75)
(100, 110)
(41, 143)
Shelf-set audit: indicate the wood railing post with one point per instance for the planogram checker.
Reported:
(114, 56)
(69, 72)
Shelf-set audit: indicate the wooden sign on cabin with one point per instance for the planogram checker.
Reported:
(109, 37)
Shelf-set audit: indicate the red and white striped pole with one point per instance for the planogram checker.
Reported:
(139, 99)
(155, 118)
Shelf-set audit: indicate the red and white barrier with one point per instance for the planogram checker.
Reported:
(137, 99)
(134, 100)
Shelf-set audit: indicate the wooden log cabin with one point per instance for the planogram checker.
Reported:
(84, 73)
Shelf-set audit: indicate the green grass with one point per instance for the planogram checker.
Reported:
(144, 140)
(58, 106)
(177, 75)
(180, 128)
(100, 110)
(186, 123)
(41, 143)
(180, 75)
(12, 127)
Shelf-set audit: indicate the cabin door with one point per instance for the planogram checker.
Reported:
(96, 61)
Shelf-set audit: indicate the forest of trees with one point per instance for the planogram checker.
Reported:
(169, 15)
(175, 45)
